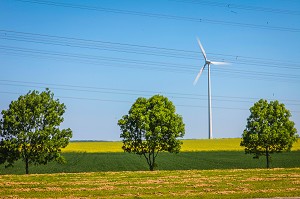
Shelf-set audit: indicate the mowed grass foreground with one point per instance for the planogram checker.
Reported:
(250, 183)
(204, 169)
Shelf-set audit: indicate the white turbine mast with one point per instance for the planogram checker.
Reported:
(207, 63)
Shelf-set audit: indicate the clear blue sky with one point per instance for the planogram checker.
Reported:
(99, 56)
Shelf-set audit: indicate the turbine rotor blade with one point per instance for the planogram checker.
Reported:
(199, 74)
(219, 63)
(202, 49)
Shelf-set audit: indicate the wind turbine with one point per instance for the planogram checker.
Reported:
(207, 63)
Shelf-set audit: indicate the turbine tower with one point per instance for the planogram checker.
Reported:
(207, 63)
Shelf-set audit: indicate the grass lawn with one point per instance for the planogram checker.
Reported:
(249, 183)
(196, 154)
(204, 169)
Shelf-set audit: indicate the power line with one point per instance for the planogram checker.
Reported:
(240, 7)
(124, 93)
(140, 64)
(256, 73)
(139, 49)
(122, 101)
(86, 41)
(133, 92)
(159, 16)
(226, 74)
(63, 55)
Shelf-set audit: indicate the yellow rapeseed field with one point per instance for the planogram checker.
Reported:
(228, 144)
(94, 147)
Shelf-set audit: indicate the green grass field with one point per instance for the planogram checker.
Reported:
(250, 183)
(196, 154)
(120, 161)
(205, 168)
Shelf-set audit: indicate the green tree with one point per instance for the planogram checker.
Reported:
(151, 126)
(30, 130)
(269, 129)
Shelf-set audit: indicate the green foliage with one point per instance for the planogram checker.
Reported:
(150, 127)
(268, 130)
(30, 130)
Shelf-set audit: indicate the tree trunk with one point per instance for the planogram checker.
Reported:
(151, 167)
(150, 160)
(267, 156)
(153, 161)
(26, 165)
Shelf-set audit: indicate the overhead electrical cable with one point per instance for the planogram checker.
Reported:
(124, 101)
(135, 62)
(128, 93)
(230, 74)
(104, 90)
(5, 32)
(163, 68)
(159, 16)
(240, 7)
(140, 49)
(140, 64)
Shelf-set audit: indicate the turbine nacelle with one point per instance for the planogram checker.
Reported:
(208, 63)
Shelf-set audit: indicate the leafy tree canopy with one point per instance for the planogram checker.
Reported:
(150, 127)
(269, 129)
(30, 130)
